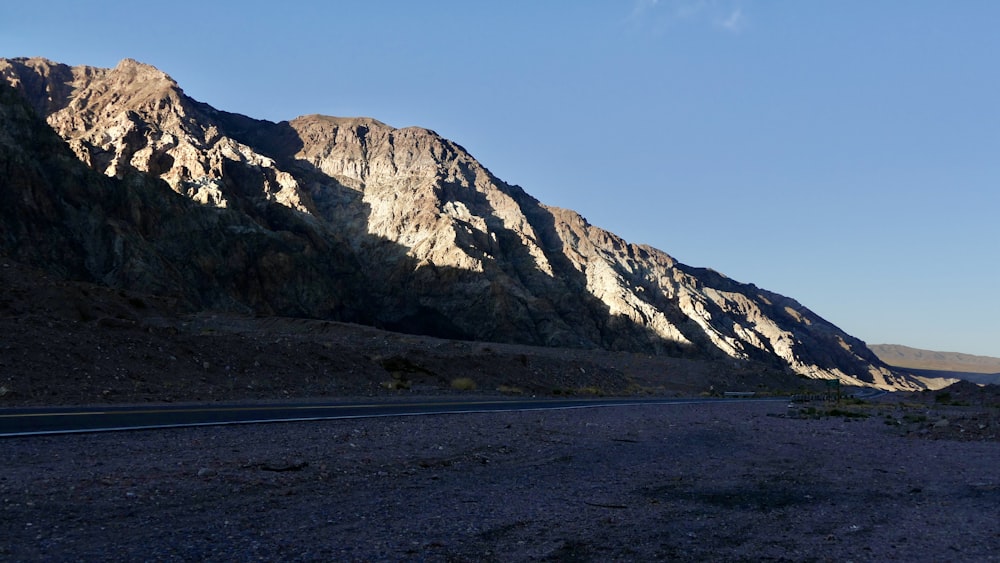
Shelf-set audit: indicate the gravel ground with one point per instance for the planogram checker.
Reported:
(725, 481)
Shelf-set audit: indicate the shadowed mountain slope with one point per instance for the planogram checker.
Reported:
(351, 219)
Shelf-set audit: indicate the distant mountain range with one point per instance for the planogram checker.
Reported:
(116, 176)
(928, 363)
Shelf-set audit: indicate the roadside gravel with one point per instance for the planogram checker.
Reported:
(723, 481)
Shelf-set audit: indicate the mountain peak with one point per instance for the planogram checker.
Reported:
(342, 121)
(447, 248)
(136, 70)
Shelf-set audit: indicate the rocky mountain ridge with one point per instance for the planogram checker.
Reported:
(948, 366)
(351, 219)
(917, 358)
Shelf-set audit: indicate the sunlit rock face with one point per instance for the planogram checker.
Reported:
(442, 246)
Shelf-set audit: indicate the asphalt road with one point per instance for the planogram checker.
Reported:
(68, 420)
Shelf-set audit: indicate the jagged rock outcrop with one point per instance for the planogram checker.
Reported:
(134, 232)
(433, 241)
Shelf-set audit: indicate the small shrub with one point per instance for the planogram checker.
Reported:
(398, 382)
(510, 390)
(636, 389)
(463, 384)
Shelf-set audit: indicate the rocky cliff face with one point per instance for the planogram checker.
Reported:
(417, 234)
(134, 232)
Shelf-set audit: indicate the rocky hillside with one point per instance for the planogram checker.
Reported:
(951, 365)
(351, 219)
(915, 358)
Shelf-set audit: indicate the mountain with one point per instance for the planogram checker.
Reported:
(351, 219)
(134, 232)
(950, 365)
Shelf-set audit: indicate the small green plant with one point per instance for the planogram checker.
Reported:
(463, 384)
(636, 389)
(510, 390)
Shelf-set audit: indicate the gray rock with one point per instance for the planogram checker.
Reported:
(351, 219)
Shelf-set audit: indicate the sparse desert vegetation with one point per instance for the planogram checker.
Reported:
(464, 384)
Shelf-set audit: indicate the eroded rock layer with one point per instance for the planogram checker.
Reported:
(351, 219)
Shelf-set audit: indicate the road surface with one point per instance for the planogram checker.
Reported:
(65, 420)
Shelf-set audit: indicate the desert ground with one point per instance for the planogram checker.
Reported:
(737, 481)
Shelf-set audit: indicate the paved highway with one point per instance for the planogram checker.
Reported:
(67, 420)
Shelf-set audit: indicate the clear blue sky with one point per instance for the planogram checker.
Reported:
(845, 153)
